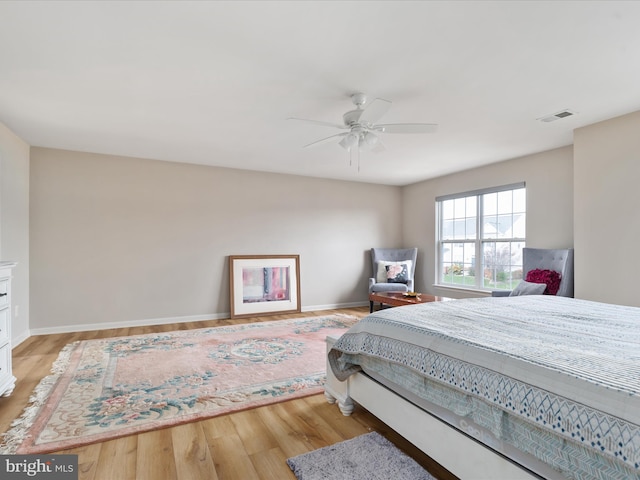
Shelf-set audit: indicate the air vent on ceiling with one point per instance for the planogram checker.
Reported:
(557, 116)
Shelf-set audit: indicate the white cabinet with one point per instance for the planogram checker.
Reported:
(7, 380)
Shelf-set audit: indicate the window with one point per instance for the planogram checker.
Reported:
(480, 239)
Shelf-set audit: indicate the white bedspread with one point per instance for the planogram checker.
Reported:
(570, 366)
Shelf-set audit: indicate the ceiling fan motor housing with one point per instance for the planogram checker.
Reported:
(352, 117)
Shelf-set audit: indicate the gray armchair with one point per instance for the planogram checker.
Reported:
(378, 282)
(559, 260)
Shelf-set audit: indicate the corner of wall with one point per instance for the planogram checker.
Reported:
(14, 222)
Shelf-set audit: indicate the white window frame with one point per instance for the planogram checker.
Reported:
(478, 242)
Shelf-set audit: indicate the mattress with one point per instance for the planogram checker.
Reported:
(543, 374)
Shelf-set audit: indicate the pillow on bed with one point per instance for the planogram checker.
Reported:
(549, 277)
(381, 269)
(528, 288)
(397, 273)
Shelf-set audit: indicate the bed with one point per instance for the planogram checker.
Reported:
(501, 388)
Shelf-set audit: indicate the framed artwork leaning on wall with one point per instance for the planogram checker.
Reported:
(264, 284)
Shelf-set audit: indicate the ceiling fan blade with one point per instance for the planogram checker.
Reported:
(407, 127)
(325, 140)
(374, 111)
(318, 122)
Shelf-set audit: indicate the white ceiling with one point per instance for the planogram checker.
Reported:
(213, 83)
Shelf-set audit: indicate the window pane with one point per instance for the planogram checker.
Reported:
(494, 265)
(469, 255)
(488, 263)
(447, 209)
(519, 200)
(447, 273)
(503, 264)
(519, 223)
(505, 223)
(471, 228)
(505, 202)
(447, 229)
(516, 261)
(457, 253)
(459, 229)
(445, 253)
(471, 206)
(490, 203)
(490, 227)
(459, 208)
(458, 264)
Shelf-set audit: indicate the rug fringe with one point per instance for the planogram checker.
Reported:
(17, 432)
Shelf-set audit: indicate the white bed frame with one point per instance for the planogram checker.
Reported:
(461, 455)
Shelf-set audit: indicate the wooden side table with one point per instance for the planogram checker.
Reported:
(399, 299)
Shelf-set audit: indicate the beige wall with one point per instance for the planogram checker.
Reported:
(607, 222)
(14, 224)
(118, 239)
(549, 181)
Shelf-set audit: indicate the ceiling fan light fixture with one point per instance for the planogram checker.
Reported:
(370, 139)
(349, 141)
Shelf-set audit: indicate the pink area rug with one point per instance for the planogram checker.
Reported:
(109, 388)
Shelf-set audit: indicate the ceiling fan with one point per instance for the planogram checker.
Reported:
(362, 131)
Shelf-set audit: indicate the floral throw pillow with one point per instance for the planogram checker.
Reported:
(550, 277)
(381, 269)
(397, 273)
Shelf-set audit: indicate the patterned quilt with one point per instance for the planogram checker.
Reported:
(564, 366)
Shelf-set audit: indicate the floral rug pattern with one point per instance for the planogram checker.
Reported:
(108, 388)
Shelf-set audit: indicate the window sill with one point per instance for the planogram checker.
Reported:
(462, 290)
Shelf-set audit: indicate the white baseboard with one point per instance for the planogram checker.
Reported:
(20, 338)
(127, 323)
(315, 308)
(159, 321)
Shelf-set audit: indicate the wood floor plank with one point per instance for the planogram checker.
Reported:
(345, 427)
(117, 459)
(289, 414)
(219, 426)
(291, 441)
(231, 459)
(191, 452)
(155, 456)
(255, 435)
(272, 464)
(308, 410)
(88, 457)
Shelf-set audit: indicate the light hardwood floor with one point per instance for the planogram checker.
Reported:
(252, 444)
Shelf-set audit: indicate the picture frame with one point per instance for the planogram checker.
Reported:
(264, 285)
